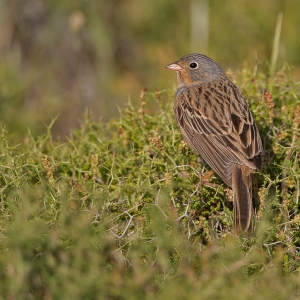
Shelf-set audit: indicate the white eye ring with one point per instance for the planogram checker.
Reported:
(193, 65)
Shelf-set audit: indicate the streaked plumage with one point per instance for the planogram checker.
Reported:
(216, 122)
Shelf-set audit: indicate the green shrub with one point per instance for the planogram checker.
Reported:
(119, 211)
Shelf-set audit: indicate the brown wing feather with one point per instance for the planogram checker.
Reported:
(219, 126)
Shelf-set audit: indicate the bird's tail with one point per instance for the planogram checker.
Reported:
(242, 193)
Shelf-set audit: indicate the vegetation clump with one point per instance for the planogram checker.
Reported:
(121, 211)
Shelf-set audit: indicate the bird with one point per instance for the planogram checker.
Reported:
(216, 122)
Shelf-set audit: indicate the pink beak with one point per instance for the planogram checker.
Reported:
(174, 67)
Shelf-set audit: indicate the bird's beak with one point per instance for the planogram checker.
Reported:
(174, 66)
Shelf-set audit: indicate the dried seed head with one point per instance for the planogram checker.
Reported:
(94, 163)
(48, 168)
(262, 194)
(270, 103)
(156, 140)
(296, 120)
(183, 146)
(78, 187)
(143, 94)
(229, 194)
(157, 94)
(143, 99)
(269, 99)
(282, 135)
(290, 182)
(123, 135)
(168, 177)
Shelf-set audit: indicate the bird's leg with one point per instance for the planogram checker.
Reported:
(205, 179)
(207, 176)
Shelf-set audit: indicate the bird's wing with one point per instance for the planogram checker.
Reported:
(215, 120)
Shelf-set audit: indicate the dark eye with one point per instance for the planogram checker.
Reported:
(193, 65)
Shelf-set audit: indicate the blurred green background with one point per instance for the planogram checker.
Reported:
(63, 57)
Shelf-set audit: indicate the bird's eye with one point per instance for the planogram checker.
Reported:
(193, 65)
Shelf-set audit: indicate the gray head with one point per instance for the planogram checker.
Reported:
(196, 68)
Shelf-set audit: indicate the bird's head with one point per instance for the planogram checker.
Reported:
(193, 69)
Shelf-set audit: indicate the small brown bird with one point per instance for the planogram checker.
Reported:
(216, 122)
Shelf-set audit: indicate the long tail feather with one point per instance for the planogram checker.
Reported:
(242, 193)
